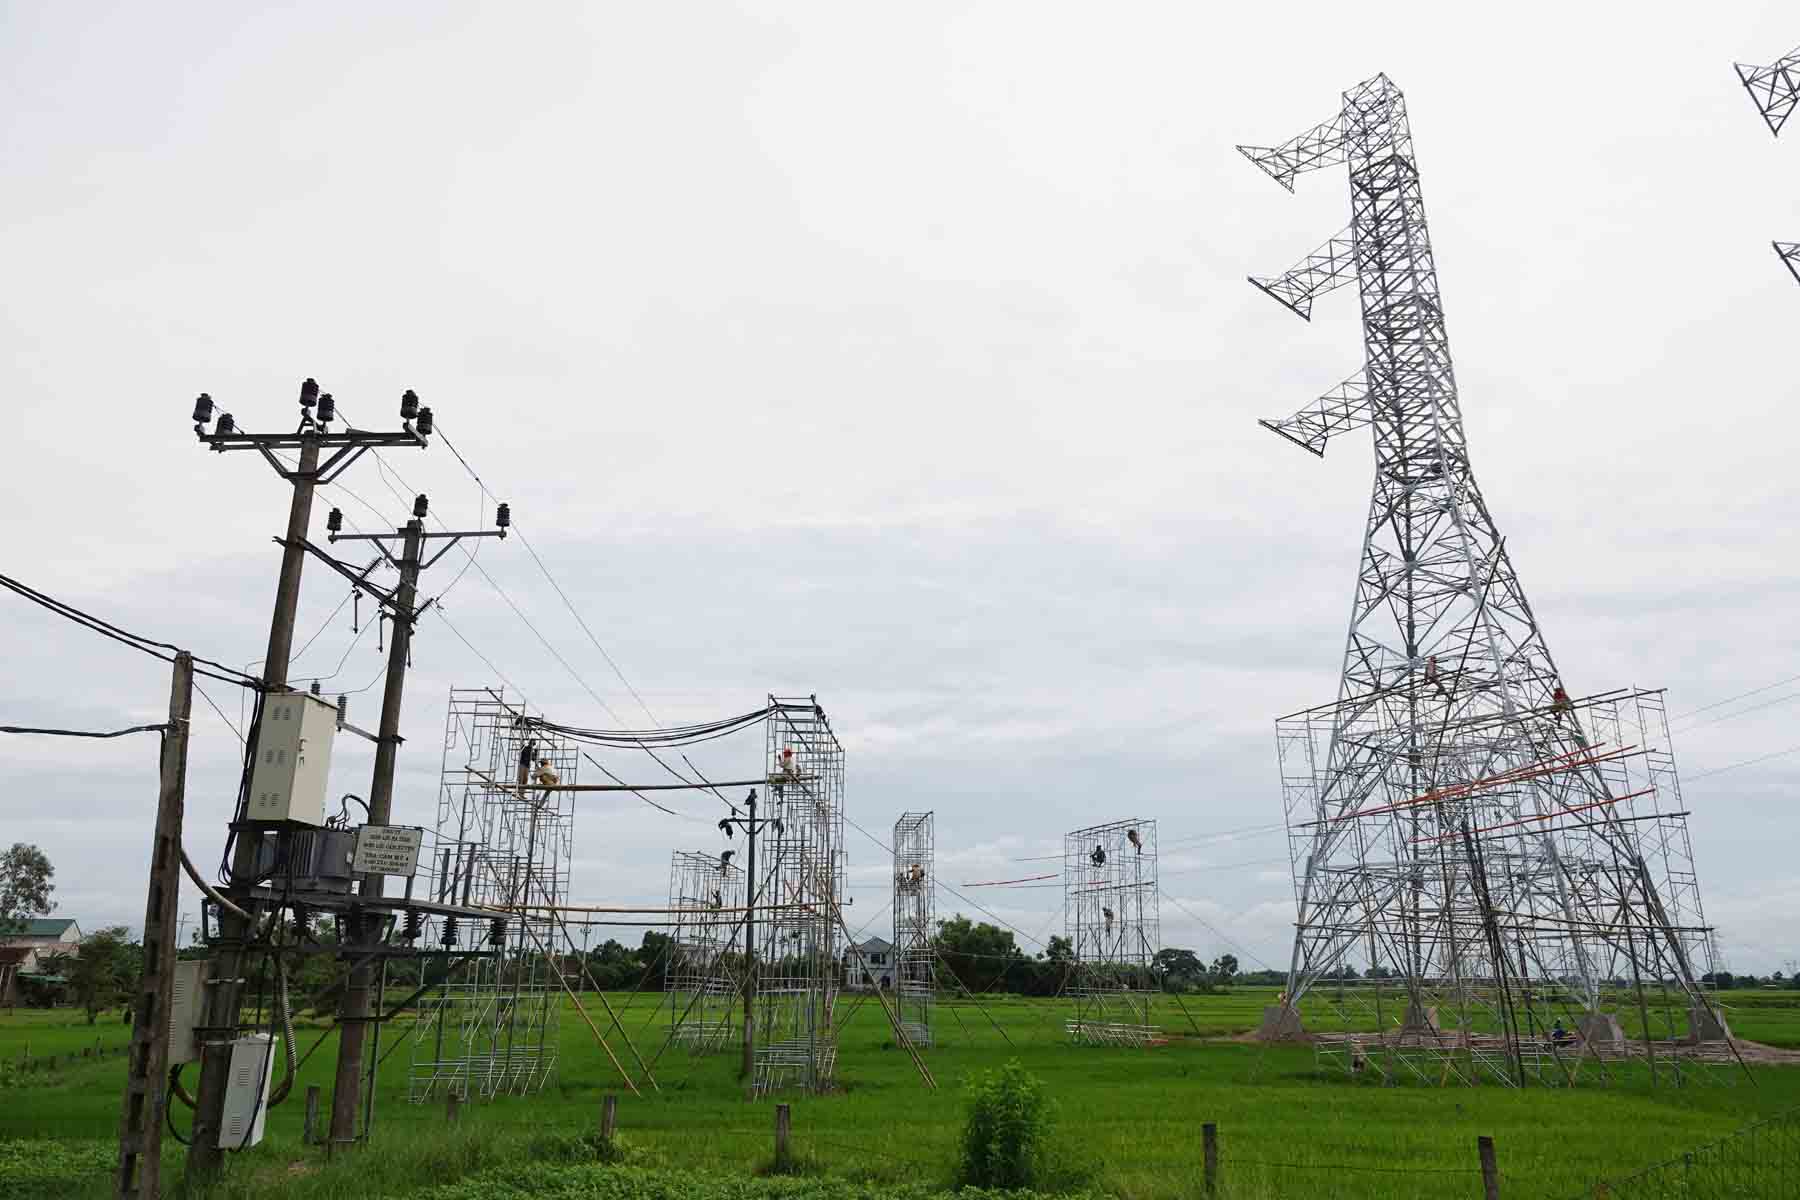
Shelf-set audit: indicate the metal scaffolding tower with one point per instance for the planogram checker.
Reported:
(1456, 819)
(706, 900)
(501, 843)
(915, 883)
(800, 894)
(1112, 921)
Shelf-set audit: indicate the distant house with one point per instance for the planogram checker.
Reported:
(869, 965)
(25, 952)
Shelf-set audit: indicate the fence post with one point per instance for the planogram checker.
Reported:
(783, 1124)
(452, 1106)
(609, 1117)
(1490, 1169)
(310, 1133)
(1209, 1151)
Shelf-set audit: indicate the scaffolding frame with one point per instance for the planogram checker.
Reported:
(1111, 916)
(489, 1027)
(706, 902)
(915, 913)
(799, 901)
(1504, 904)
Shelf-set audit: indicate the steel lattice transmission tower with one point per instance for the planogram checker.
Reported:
(1450, 817)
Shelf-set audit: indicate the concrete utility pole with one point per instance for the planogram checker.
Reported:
(354, 1023)
(313, 436)
(402, 606)
(752, 825)
(146, 1092)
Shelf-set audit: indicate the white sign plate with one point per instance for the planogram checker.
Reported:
(387, 850)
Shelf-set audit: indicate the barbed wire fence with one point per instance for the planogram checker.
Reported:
(1760, 1160)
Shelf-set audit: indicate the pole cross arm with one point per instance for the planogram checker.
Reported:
(347, 447)
(1321, 146)
(1342, 409)
(1774, 88)
(358, 579)
(1326, 269)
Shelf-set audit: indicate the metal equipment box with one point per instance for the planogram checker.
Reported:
(187, 1001)
(293, 759)
(247, 1091)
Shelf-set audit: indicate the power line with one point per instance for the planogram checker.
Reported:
(1215, 930)
(1745, 763)
(83, 733)
(221, 712)
(125, 637)
(940, 883)
(1742, 712)
(567, 603)
(1740, 696)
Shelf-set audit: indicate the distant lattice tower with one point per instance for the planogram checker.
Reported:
(706, 896)
(1499, 849)
(1111, 918)
(1775, 89)
(801, 861)
(915, 881)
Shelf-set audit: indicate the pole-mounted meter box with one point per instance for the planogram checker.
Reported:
(247, 1092)
(187, 1000)
(293, 759)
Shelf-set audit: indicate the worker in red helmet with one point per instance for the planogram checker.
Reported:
(1560, 703)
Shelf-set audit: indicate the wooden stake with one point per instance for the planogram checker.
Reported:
(309, 1133)
(609, 1117)
(783, 1126)
(1490, 1169)
(1209, 1150)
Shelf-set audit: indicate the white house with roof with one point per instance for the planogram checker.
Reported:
(869, 965)
(26, 950)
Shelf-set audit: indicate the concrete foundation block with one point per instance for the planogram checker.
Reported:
(1280, 1024)
(1420, 1019)
(1601, 1029)
(1707, 1025)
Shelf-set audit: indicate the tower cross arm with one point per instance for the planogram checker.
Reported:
(1326, 269)
(1789, 253)
(1342, 409)
(1774, 88)
(1321, 146)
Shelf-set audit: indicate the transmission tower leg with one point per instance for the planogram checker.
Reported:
(141, 1121)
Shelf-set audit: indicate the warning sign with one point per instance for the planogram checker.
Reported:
(387, 850)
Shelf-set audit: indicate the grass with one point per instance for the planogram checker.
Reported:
(1129, 1119)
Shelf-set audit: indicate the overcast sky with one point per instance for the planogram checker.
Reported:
(900, 355)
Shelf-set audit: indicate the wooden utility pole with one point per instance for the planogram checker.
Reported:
(141, 1121)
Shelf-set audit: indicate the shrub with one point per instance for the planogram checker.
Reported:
(1008, 1128)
